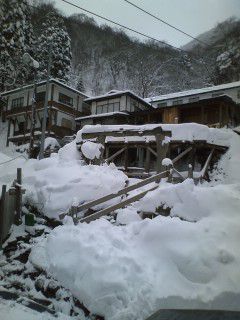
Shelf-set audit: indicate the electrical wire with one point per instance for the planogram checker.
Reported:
(137, 32)
(165, 22)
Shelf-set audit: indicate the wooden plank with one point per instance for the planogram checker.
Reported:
(147, 162)
(116, 154)
(179, 174)
(152, 151)
(112, 208)
(190, 171)
(137, 185)
(161, 151)
(207, 163)
(181, 155)
(127, 132)
(126, 159)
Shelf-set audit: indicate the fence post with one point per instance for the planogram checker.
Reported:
(18, 217)
(2, 203)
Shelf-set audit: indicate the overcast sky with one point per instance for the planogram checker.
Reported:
(192, 16)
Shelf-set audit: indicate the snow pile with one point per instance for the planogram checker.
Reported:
(182, 132)
(189, 259)
(53, 184)
(129, 272)
(51, 143)
(91, 150)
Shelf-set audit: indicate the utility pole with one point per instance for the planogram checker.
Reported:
(41, 153)
(29, 61)
(33, 116)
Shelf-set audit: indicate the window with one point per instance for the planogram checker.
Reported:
(238, 94)
(116, 106)
(176, 102)
(17, 103)
(99, 109)
(193, 99)
(133, 105)
(105, 108)
(65, 99)
(110, 107)
(40, 96)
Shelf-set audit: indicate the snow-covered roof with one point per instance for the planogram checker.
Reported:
(103, 115)
(116, 93)
(184, 132)
(52, 80)
(191, 92)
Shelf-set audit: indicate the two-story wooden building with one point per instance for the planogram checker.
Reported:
(215, 106)
(64, 105)
(115, 107)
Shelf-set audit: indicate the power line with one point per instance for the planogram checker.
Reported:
(135, 31)
(161, 20)
(125, 27)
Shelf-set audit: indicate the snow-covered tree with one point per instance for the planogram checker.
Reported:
(16, 39)
(54, 37)
(228, 62)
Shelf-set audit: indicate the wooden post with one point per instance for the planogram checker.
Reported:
(147, 163)
(220, 115)
(190, 171)
(2, 209)
(126, 159)
(202, 115)
(161, 151)
(18, 216)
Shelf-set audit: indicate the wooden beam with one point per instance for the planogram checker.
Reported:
(126, 152)
(112, 208)
(116, 154)
(111, 196)
(147, 162)
(152, 151)
(161, 151)
(127, 132)
(207, 163)
(181, 155)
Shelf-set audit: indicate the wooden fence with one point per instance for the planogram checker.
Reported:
(11, 206)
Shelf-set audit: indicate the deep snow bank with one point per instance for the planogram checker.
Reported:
(54, 184)
(129, 272)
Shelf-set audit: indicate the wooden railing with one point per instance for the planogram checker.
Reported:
(168, 173)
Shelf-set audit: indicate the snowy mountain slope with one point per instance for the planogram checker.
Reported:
(213, 35)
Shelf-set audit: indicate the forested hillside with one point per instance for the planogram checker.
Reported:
(97, 58)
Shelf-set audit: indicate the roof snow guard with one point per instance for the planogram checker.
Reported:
(114, 94)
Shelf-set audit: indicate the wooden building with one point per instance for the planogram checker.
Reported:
(64, 105)
(115, 107)
(216, 106)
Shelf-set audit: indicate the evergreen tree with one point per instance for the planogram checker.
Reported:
(54, 37)
(16, 39)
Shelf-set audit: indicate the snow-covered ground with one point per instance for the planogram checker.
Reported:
(189, 259)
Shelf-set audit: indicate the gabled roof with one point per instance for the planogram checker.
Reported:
(114, 94)
(52, 80)
(193, 92)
